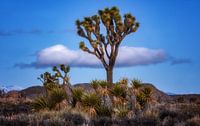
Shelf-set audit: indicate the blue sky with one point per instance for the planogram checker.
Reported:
(27, 27)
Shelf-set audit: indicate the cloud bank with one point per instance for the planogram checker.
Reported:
(127, 57)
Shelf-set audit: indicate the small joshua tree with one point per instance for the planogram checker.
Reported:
(106, 47)
(51, 81)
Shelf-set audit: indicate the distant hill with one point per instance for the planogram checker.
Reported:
(160, 96)
(32, 92)
(186, 98)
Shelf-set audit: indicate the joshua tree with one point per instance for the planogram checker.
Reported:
(106, 47)
(52, 81)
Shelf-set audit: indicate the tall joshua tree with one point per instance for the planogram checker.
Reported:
(105, 46)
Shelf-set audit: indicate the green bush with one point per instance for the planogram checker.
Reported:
(77, 94)
(91, 100)
(118, 91)
(136, 84)
(104, 111)
(95, 84)
(40, 103)
(56, 96)
(141, 99)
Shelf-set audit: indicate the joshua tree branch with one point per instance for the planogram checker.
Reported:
(106, 50)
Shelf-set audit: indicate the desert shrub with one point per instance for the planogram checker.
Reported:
(52, 98)
(151, 112)
(169, 117)
(188, 110)
(145, 121)
(180, 99)
(95, 84)
(20, 120)
(121, 111)
(40, 103)
(137, 121)
(141, 99)
(73, 119)
(147, 92)
(193, 100)
(101, 121)
(195, 121)
(167, 113)
(169, 121)
(58, 118)
(56, 96)
(103, 83)
(118, 91)
(122, 122)
(53, 122)
(136, 83)
(77, 94)
(7, 109)
(51, 86)
(91, 102)
(103, 110)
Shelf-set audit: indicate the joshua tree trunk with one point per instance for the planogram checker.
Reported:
(109, 73)
(68, 89)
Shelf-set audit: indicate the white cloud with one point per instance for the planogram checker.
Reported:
(128, 56)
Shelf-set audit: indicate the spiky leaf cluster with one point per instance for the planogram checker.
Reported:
(57, 95)
(136, 84)
(91, 100)
(121, 111)
(96, 83)
(118, 91)
(147, 91)
(77, 94)
(141, 99)
(144, 96)
(63, 68)
(40, 103)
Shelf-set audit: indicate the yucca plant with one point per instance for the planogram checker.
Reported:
(40, 103)
(56, 96)
(95, 84)
(91, 102)
(103, 110)
(121, 111)
(141, 99)
(118, 91)
(50, 86)
(103, 83)
(136, 84)
(147, 91)
(77, 94)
